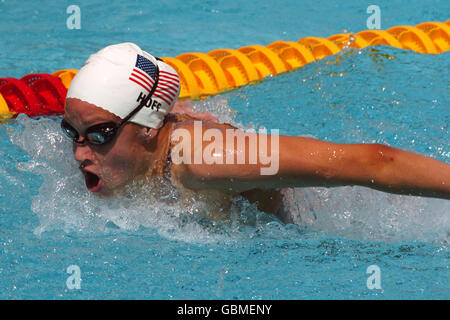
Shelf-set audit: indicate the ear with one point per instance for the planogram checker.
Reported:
(149, 134)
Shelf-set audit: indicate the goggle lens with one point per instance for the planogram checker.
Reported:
(69, 130)
(101, 135)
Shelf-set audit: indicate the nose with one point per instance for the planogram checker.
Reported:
(82, 152)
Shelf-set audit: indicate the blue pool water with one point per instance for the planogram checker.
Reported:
(138, 246)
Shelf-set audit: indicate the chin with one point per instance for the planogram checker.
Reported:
(108, 191)
(105, 193)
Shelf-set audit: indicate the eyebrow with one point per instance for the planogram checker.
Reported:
(96, 120)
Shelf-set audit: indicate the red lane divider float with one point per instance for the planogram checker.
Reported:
(35, 95)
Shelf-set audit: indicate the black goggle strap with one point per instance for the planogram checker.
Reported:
(144, 101)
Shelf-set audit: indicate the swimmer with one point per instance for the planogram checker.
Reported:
(122, 116)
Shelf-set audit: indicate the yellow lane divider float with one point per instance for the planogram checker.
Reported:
(225, 69)
(203, 74)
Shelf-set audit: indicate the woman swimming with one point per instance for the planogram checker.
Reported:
(118, 116)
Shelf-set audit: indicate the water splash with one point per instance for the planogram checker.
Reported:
(364, 213)
(352, 212)
(64, 203)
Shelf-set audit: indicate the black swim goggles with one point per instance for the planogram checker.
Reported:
(105, 132)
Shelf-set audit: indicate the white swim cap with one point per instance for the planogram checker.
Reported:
(118, 77)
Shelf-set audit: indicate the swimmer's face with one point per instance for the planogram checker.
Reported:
(109, 166)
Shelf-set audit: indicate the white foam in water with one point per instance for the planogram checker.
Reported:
(364, 213)
(353, 212)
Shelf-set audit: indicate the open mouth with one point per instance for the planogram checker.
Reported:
(93, 182)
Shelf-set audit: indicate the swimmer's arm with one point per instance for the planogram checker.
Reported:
(306, 162)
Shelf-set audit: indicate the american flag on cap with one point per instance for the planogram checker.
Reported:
(144, 74)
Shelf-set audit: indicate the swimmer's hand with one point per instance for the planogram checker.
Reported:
(305, 162)
(182, 107)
